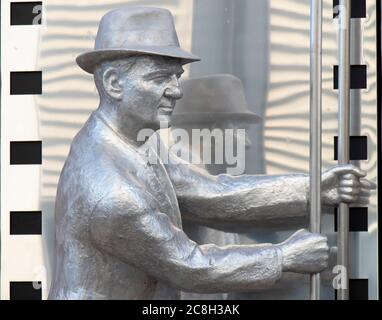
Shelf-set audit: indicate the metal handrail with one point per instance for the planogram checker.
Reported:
(344, 138)
(315, 129)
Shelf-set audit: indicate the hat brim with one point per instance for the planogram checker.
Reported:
(210, 117)
(89, 60)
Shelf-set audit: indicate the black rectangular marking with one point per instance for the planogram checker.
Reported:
(358, 289)
(358, 77)
(26, 152)
(26, 82)
(358, 219)
(358, 148)
(26, 13)
(25, 223)
(358, 8)
(25, 291)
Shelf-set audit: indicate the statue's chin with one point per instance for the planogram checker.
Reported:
(164, 121)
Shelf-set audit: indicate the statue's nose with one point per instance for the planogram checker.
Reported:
(174, 91)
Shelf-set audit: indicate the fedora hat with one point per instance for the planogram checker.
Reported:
(213, 98)
(132, 30)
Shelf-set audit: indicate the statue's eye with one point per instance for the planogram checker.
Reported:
(161, 77)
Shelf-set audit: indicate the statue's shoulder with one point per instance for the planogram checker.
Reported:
(96, 153)
(101, 159)
(96, 142)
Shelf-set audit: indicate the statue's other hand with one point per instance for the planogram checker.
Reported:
(328, 275)
(345, 184)
(305, 252)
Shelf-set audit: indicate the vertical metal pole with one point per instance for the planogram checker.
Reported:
(344, 137)
(315, 128)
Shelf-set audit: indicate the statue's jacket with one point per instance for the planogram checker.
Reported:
(119, 228)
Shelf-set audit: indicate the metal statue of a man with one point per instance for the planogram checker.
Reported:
(118, 223)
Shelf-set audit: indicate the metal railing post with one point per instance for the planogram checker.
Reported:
(315, 129)
(344, 138)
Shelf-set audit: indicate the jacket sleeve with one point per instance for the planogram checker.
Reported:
(239, 203)
(127, 225)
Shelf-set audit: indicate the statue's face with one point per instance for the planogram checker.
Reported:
(150, 90)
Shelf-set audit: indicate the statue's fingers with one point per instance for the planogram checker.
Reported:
(367, 184)
(349, 169)
(363, 201)
(364, 192)
(349, 182)
(349, 191)
(348, 198)
(349, 177)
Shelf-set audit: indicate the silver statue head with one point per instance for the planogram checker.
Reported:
(137, 62)
(140, 88)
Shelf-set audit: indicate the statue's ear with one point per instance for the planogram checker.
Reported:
(112, 83)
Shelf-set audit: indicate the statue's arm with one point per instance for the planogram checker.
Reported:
(237, 203)
(126, 225)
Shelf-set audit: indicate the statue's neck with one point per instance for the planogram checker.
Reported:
(123, 125)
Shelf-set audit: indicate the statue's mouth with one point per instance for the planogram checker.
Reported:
(166, 110)
(167, 107)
